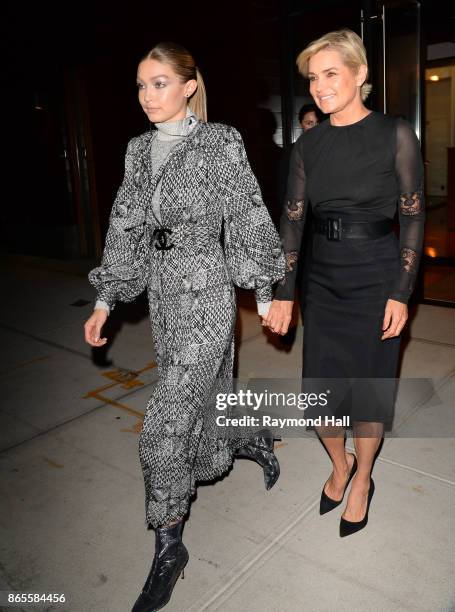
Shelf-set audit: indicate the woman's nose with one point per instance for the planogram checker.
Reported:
(147, 94)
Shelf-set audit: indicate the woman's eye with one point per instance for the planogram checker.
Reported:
(312, 78)
(139, 85)
(160, 85)
(331, 74)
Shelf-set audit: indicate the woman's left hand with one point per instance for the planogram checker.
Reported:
(279, 316)
(395, 317)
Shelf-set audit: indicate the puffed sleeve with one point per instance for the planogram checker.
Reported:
(411, 209)
(292, 222)
(123, 272)
(251, 243)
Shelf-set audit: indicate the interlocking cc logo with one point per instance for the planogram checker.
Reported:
(160, 235)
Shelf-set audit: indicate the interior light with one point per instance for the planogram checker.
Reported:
(434, 77)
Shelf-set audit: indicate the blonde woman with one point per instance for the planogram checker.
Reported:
(355, 169)
(183, 183)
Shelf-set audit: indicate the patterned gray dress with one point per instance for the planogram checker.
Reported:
(213, 230)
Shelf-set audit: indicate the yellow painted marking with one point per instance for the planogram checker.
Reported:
(52, 463)
(130, 384)
(95, 391)
(127, 379)
(136, 429)
(280, 444)
(111, 402)
(26, 363)
(123, 377)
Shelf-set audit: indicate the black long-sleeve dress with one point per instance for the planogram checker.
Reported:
(357, 172)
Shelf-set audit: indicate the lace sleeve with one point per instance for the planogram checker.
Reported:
(292, 223)
(411, 209)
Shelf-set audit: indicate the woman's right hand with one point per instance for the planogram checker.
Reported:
(93, 327)
(279, 316)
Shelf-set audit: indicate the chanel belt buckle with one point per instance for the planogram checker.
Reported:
(160, 235)
(334, 229)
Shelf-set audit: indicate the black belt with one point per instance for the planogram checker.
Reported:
(336, 228)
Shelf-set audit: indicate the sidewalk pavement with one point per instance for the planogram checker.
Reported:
(72, 500)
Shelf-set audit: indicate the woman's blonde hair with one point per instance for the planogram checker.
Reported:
(350, 47)
(183, 64)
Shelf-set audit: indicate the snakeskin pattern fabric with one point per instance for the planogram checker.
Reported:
(220, 234)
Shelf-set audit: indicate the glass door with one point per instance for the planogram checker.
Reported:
(422, 91)
(439, 276)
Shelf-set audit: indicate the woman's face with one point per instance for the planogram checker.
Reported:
(333, 85)
(162, 94)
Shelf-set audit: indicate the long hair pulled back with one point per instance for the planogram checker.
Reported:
(184, 65)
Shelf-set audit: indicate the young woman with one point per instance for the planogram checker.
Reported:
(355, 168)
(188, 222)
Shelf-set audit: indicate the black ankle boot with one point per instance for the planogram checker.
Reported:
(260, 449)
(170, 558)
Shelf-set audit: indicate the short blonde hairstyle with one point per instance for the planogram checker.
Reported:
(350, 47)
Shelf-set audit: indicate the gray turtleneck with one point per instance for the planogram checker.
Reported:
(170, 133)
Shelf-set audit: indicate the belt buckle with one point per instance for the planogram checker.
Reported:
(334, 228)
(160, 235)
